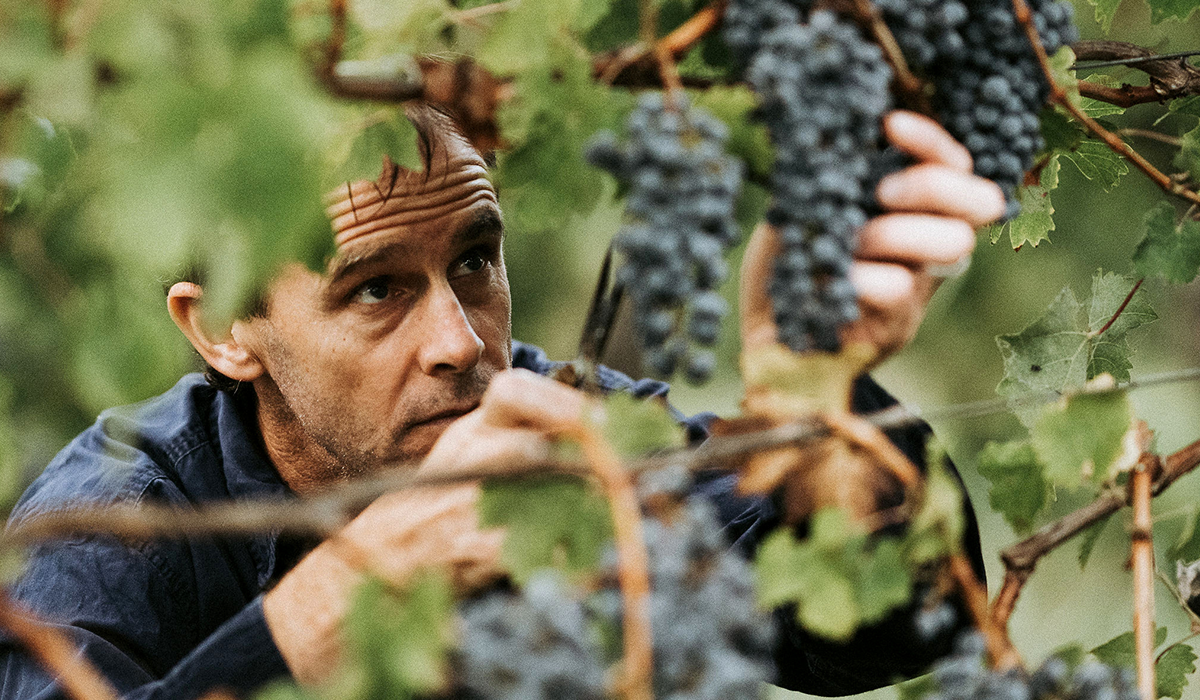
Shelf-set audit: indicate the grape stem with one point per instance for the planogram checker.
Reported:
(1142, 548)
(1021, 558)
(55, 652)
(1059, 96)
(1119, 311)
(911, 87)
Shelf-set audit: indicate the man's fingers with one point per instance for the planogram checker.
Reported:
(520, 398)
(883, 285)
(926, 140)
(938, 189)
(915, 239)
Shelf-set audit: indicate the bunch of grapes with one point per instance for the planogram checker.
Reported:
(710, 641)
(533, 645)
(822, 89)
(679, 224)
(964, 675)
(990, 93)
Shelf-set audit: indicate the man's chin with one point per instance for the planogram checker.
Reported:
(418, 440)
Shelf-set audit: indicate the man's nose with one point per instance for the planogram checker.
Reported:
(449, 344)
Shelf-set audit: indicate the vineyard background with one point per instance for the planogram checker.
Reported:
(954, 358)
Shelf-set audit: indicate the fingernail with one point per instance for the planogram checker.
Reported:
(888, 191)
(902, 121)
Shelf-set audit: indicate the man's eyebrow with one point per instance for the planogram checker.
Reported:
(487, 223)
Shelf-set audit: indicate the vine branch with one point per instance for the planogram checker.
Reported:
(624, 65)
(1000, 648)
(1143, 576)
(1021, 558)
(1170, 75)
(1059, 96)
(633, 568)
(326, 513)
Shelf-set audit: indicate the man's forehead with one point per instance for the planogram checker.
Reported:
(456, 179)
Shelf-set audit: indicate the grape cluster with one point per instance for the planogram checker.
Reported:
(926, 30)
(989, 94)
(532, 645)
(710, 641)
(822, 89)
(964, 675)
(679, 224)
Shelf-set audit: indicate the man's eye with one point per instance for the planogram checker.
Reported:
(473, 261)
(373, 291)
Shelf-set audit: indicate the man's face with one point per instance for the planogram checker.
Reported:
(369, 362)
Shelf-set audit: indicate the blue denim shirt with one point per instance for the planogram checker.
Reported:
(177, 618)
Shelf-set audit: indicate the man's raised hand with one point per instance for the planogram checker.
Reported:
(932, 209)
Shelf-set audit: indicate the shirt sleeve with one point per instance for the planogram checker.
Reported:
(125, 614)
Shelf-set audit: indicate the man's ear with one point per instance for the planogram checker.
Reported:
(225, 354)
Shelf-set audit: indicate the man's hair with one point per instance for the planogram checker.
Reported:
(431, 124)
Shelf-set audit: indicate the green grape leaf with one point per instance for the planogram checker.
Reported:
(401, 637)
(1110, 350)
(637, 427)
(1162, 10)
(356, 152)
(937, 528)
(1061, 67)
(1109, 291)
(884, 582)
(1082, 439)
(1168, 250)
(555, 111)
(1060, 133)
(1188, 158)
(1098, 162)
(528, 34)
(1064, 347)
(1172, 671)
(1105, 11)
(552, 522)
(1089, 539)
(1018, 488)
(64, 90)
(1186, 105)
(1119, 651)
(1036, 220)
(1187, 545)
(417, 24)
(837, 579)
(1096, 108)
(1050, 354)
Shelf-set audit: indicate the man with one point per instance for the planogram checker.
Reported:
(401, 350)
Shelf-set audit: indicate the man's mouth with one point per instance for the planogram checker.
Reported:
(447, 416)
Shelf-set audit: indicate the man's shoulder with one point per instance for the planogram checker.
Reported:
(126, 451)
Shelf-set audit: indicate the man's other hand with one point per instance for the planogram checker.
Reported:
(933, 207)
(404, 532)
